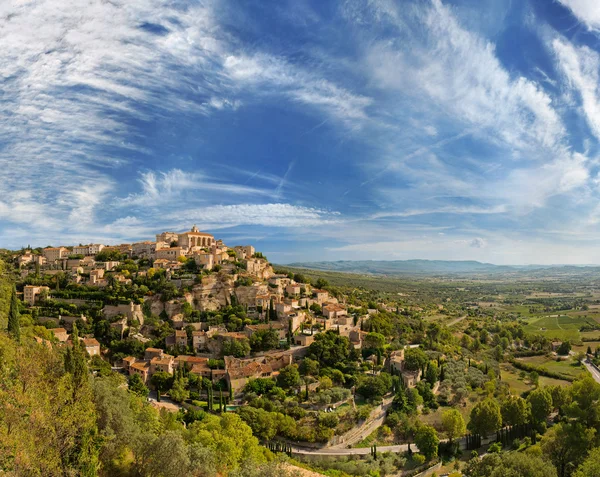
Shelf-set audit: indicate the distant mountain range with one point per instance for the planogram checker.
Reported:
(427, 267)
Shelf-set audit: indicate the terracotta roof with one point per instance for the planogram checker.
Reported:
(200, 369)
(90, 342)
(180, 333)
(129, 359)
(184, 358)
(141, 365)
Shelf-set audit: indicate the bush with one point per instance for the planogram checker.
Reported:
(495, 448)
(418, 459)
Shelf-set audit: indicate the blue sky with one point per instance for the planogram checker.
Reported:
(315, 130)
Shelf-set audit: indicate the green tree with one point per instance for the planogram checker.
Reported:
(236, 348)
(585, 402)
(432, 373)
(264, 340)
(289, 377)
(160, 380)
(540, 402)
(453, 424)
(513, 464)
(485, 417)
(309, 367)
(590, 466)
(137, 386)
(564, 348)
(374, 341)
(566, 445)
(179, 391)
(515, 410)
(415, 359)
(427, 441)
(330, 349)
(14, 327)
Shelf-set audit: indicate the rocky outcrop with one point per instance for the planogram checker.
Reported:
(213, 293)
(246, 295)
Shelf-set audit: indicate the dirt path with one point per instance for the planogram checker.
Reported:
(456, 320)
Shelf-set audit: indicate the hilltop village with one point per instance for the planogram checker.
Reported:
(360, 375)
(220, 311)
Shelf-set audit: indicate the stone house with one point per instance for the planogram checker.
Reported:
(52, 254)
(31, 293)
(92, 346)
(60, 334)
(331, 311)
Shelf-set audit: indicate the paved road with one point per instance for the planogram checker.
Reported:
(367, 428)
(354, 451)
(594, 372)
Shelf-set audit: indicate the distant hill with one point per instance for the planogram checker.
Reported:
(421, 267)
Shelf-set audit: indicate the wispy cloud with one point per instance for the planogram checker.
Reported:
(163, 188)
(586, 11)
(269, 215)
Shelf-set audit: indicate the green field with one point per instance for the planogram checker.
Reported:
(567, 367)
(560, 327)
(519, 385)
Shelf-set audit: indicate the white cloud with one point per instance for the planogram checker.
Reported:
(162, 188)
(459, 72)
(259, 70)
(269, 215)
(478, 242)
(78, 76)
(580, 67)
(586, 11)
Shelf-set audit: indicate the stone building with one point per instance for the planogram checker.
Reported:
(195, 238)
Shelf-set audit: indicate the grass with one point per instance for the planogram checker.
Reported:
(562, 327)
(568, 367)
(519, 385)
(584, 346)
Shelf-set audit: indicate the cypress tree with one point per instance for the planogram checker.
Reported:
(14, 327)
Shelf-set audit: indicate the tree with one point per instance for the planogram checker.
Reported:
(566, 446)
(564, 348)
(137, 386)
(590, 466)
(160, 380)
(179, 391)
(289, 376)
(14, 327)
(330, 349)
(432, 374)
(415, 359)
(375, 387)
(321, 283)
(453, 424)
(485, 417)
(374, 341)
(585, 405)
(264, 340)
(236, 348)
(427, 441)
(540, 402)
(515, 410)
(513, 464)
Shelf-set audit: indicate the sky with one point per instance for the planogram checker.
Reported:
(313, 130)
